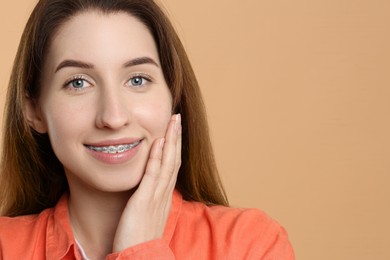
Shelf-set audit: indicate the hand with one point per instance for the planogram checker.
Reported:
(146, 213)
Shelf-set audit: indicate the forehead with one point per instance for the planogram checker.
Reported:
(95, 36)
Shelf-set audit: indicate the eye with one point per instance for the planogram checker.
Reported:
(77, 83)
(138, 81)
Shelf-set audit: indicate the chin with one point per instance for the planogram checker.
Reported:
(115, 182)
(119, 185)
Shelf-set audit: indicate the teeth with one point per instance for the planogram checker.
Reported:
(113, 148)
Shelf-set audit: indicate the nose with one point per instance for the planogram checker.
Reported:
(113, 110)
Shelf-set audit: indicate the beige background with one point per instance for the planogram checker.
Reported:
(297, 94)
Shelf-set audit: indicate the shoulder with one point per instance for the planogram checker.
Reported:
(22, 223)
(20, 233)
(232, 220)
(222, 217)
(246, 232)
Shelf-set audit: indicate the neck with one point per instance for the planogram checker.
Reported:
(94, 217)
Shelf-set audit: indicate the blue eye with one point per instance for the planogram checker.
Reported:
(78, 83)
(137, 81)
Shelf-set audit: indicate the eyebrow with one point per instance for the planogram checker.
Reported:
(140, 61)
(85, 65)
(74, 63)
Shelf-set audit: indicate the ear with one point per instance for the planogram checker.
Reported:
(34, 116)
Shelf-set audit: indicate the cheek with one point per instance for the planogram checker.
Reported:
(65, 121)
(154, 115)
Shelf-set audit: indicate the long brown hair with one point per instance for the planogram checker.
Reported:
(31, 177)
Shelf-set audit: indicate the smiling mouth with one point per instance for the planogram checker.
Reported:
(113, 149)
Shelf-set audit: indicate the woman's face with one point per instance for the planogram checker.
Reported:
(103, 100)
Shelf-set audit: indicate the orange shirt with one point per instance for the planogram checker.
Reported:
(193, 231)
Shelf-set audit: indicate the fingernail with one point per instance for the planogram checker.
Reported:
(161, 143)
(177, 121)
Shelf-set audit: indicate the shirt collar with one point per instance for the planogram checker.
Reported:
(59, 236)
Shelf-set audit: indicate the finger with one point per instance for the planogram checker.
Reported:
(154, 162)
(169, 161)
(177, 157)
(152, 172)
(169, 152)
(178, 148)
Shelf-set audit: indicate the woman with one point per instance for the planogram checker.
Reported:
(106, 152)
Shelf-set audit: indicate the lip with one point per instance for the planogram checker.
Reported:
(115, 158)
